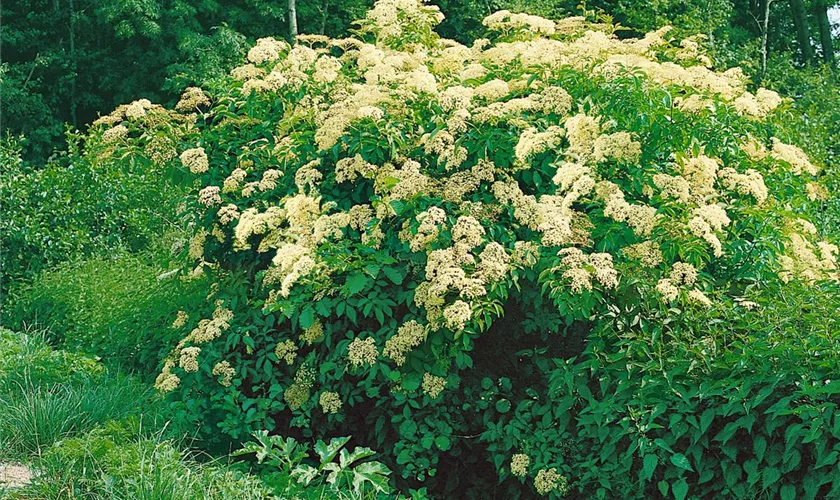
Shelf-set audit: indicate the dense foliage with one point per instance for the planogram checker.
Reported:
(544, 263)
(66, 61)
(118, 307)
(85, 203)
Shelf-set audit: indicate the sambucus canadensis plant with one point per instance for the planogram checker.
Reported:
(411, 241)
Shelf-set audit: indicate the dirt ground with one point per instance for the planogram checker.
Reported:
(14, 476)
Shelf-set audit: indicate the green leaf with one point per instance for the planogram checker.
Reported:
(323, 307)
(327, 452)
(829, 459)
(408, 428)
(649, 466)
(397, 205)
(769, 476)
(788, 492)
(426, 441)
(706, 420)
(411, 381)
(680, 489)
(443, 443)
(307, 317)
(356, 283)
(404, 457)
(760, 446)
(731, 473)
(663, 488)
(394, 274)
(681, 461)
(662, 444)
(503, 406)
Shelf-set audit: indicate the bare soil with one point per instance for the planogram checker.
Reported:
(14, 476)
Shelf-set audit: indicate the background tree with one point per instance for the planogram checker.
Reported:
(800, 21)
(826, 41)
(291, 18)
(65, 61)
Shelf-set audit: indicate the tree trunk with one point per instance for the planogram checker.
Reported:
(325, 8)
(765, 24)
(292, 15)
(73, 65)
(800, 21)
(821, 11)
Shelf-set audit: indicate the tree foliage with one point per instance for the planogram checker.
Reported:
(66, 61)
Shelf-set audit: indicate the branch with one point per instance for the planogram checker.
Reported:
(31, 71)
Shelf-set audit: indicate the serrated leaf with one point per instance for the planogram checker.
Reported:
(664, 487)
(731, 473)
(404, 457)
(769, 476)
(323, 307)
(680, 489)
(397, 205)
(649, 466)
(788, 492)
(681, 461)
(356, 283)
(706, 420)
(662, 444)
(426, 441)
(408, 428)
(394, 274)
(760, 446)
(829, 459)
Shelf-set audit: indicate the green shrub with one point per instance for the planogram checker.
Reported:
(116, 307)
(694, 407)
(411, 240)
(86, 202)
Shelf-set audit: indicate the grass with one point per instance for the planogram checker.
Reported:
(115, 307)
(117, 461)
(33, 417)
(48, 395)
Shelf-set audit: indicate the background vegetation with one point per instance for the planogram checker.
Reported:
(67, 61)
